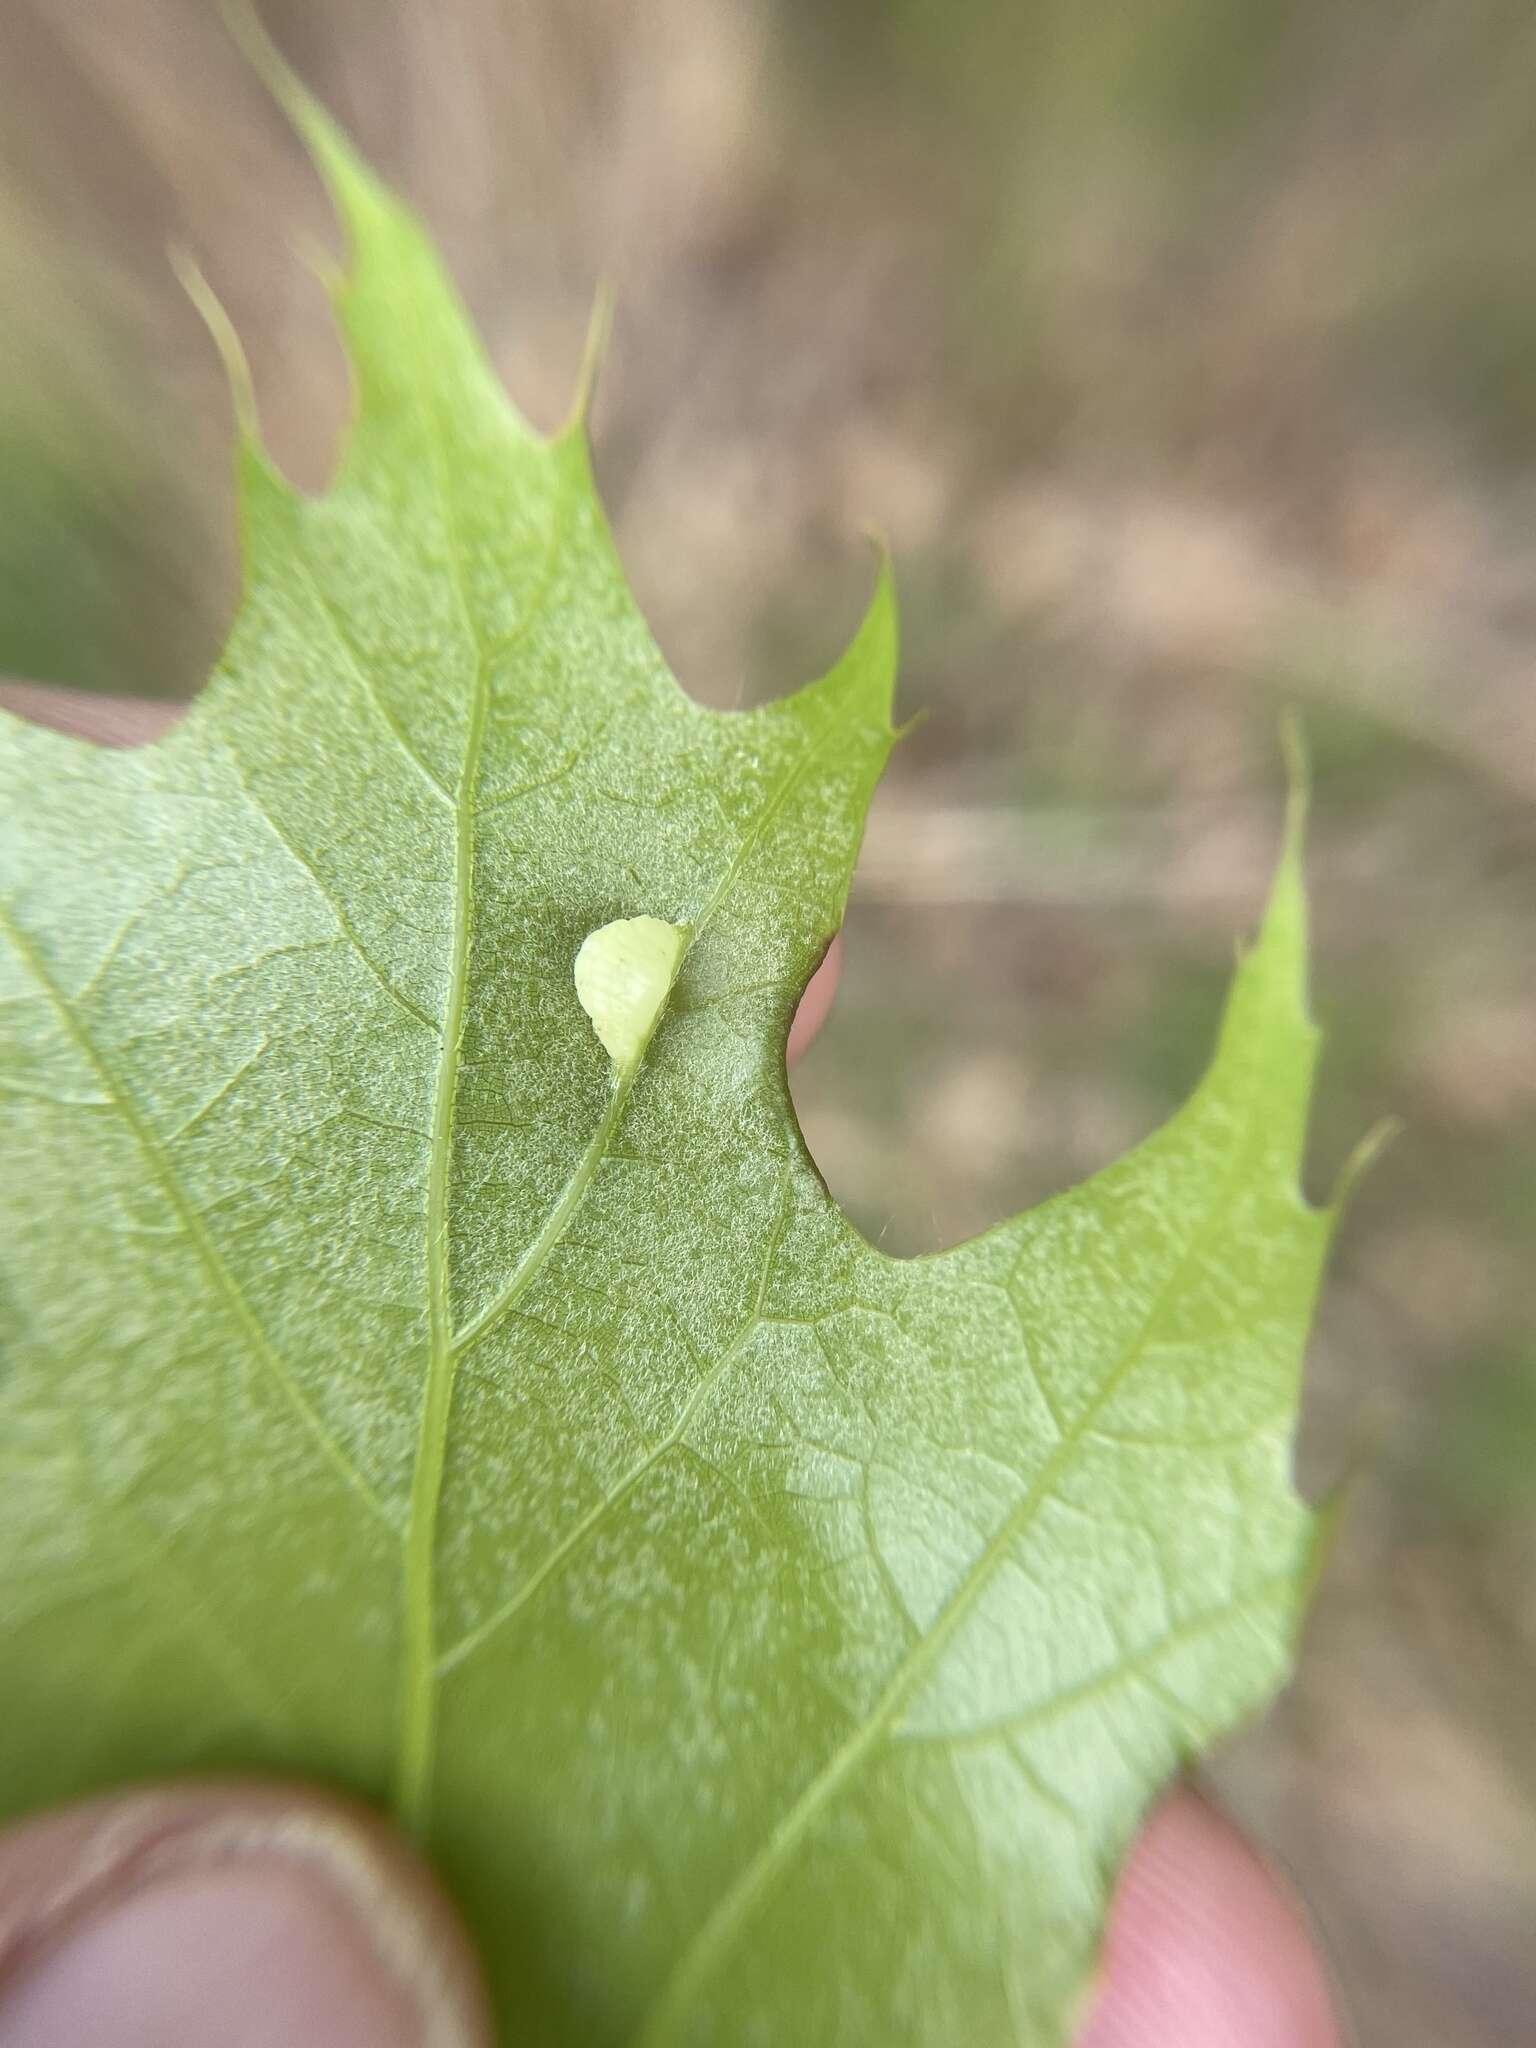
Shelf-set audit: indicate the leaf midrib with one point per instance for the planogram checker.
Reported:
(418, 1684)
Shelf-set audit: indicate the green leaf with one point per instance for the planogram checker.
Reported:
(773, 1641)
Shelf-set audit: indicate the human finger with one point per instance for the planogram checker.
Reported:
(1206, 1948)
(252, 1914)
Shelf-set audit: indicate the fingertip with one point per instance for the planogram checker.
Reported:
(1206, 1947)
(244, 1912)
(816, 1001)
(88, 715)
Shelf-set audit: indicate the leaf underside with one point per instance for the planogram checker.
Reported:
(772, 1640)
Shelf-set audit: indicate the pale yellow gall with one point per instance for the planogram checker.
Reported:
(624, 974)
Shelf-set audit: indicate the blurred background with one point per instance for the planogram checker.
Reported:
(1186, 354)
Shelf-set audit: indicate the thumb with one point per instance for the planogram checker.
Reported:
(250, 1914)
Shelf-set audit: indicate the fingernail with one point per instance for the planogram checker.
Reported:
(261, 1943)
